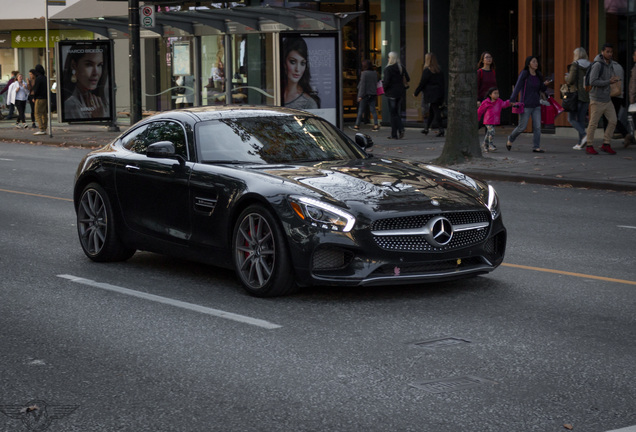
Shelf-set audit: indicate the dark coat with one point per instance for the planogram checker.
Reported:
(394, 81)
(432, 84)
(40, 87)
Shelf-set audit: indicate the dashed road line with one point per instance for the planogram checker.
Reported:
(165, 300)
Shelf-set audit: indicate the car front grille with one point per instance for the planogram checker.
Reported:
(418, 242)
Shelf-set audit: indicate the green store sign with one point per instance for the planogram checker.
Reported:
(37, 38)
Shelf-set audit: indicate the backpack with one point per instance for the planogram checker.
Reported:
(588, 75)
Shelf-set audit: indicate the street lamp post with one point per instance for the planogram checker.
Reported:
(134, 61)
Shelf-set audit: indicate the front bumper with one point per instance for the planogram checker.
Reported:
(335, 259)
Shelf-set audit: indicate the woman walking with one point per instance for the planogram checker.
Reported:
(575, 78)
(394, 90)
(530, 84)
(432, 84)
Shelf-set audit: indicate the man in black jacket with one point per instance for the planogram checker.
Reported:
(40, 89)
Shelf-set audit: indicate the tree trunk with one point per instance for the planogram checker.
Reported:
(462, 138)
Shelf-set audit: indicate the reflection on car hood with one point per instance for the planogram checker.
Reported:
(385, 184)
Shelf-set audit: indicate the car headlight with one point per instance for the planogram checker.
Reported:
(493, 203)
(321, 214)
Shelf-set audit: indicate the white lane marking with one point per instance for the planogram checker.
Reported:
(165, 300)
(627, 226)
(9, 160)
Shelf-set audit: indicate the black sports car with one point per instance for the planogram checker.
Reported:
(286, 199)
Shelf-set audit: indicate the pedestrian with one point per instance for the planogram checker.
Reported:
(486, 75)
(367, 94)
(9, 105)
(617, 93)
(530, 84)
(575, 77)
(600, 78)
(490, 109)
(18, 93)
(632, 100)
(395, 77)
(432, 85)
(40, 91)
(31, 83)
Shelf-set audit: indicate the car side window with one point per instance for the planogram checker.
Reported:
(135, 141)
(162, 130)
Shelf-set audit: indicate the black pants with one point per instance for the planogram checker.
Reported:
(32, 105)
(435, 115)
(21, 106)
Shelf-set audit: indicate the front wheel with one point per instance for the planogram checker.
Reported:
(261, 255)
(97, 228)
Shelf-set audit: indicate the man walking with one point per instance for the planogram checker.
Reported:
(40, 89)
(600, 79)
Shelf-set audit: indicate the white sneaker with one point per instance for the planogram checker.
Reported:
(40, 133)
(579, 146)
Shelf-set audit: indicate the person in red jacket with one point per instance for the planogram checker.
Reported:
(490, 108)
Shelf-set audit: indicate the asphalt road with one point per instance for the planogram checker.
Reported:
(544, 343)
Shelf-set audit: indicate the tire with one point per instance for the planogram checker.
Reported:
(261, 255)
(97, 228)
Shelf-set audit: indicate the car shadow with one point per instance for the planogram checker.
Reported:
(203, 278)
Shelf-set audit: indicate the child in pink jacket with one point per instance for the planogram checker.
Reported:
(490, 109)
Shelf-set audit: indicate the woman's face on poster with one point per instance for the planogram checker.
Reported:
(88, 70)
(296, 65)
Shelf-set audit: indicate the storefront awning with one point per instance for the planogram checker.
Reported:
(236, 20)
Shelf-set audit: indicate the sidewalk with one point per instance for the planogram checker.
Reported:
(559, 165)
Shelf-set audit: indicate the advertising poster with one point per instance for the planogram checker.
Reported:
(309, 78)
(85, 86)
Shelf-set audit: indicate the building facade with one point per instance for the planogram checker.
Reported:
(242, 53)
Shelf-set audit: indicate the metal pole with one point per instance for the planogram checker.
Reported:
(134, 61)
(48, 69)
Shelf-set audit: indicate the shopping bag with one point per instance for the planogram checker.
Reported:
(556, 105)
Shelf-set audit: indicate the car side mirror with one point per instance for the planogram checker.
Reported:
(164, 150)
(364, 141)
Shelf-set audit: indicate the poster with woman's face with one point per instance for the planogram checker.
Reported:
(309, 73)
(84, 81)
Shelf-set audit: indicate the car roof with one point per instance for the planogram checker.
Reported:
(234, 111)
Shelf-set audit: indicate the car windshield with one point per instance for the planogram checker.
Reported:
(272, 140)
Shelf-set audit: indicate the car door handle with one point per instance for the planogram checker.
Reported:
(132, 168)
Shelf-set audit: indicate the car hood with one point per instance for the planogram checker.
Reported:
(386, 184)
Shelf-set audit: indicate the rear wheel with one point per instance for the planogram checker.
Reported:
(97, 228)
(261, 255)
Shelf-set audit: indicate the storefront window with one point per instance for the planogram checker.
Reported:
(416, 37)
(212, 70)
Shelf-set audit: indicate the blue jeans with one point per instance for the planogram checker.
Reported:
(396, 118)
(577, 119)
(367, 101)
(535, 113)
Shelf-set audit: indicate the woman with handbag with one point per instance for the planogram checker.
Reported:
(574, 79)
(530, 84)
(395, 75)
